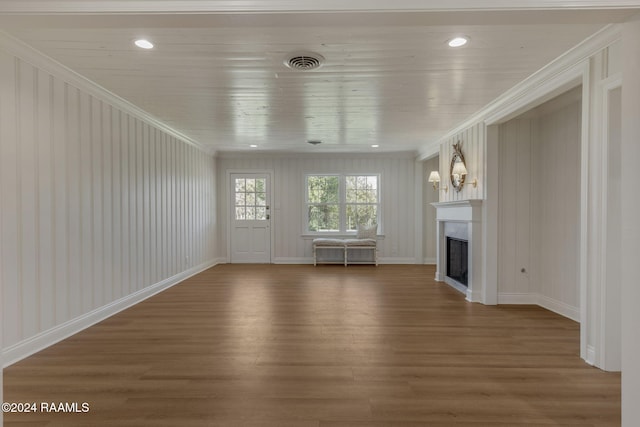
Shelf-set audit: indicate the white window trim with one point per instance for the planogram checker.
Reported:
(342, 204)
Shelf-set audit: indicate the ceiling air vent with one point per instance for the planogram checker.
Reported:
(314, 142)
(304, 61)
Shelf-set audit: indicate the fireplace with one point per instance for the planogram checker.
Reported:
(460, 248)
(457, 260)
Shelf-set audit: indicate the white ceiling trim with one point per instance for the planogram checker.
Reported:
(41, 7)
(36, 58)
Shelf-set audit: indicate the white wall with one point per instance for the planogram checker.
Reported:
(429, 225)
(556, 209)
(514, 217)
(99, 207)
(630, 155)
(397, 196)
(612, 296)
(539, 207)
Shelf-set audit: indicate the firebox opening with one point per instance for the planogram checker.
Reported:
(457, 260)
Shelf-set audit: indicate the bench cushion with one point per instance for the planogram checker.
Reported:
(360, 242)
(328, 242)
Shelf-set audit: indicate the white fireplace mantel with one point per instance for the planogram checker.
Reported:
(467, 212)
(463, 210)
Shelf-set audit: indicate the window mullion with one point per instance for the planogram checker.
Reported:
(342, 191)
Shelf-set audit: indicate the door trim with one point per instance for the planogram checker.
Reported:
(268, 172)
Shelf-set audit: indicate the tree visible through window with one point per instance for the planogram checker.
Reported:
(338, 203)
(362, 200)
(251, 199)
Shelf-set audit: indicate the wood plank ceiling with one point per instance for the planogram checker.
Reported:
(389, 78)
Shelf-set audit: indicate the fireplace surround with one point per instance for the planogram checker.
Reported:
(459, 228)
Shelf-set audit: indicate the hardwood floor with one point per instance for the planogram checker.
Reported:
(326, 346)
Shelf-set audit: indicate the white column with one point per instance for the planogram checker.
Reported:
(439, 255)
(490, 217)
(630, 222)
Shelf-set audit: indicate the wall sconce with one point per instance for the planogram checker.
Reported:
(460, 170)
(434, 178)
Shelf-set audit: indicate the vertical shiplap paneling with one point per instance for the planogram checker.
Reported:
(505, 209)
(85, 209)
(27, 198)
(148, 214)
(97, 225)
(106, 181)
(60, 279)
(174, 243)
(557, 205)
(180, 223)
(535, 214)
(155, 205)
(189, 197)
(9, 187)
(125, 186)
(139, 205)
(134, 265)
(122, 161)
(45, 188)
(514, 225)
(116, 205)
(152, 208)
(523, 207)
(164, 205)
(73, 259)
(195, 202)
(86, 203)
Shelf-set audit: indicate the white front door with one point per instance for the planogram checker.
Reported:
(250, 218)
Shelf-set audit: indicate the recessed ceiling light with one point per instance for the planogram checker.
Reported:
(458, 41)
(375, 146)
(253, 146)
(143, 44)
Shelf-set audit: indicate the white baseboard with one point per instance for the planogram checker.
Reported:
(559, 307)
(396, 260)
(19, 351)
(302, 260)
(429, 261)
(297, 260)
(550, 304)
(591, 355)
(517, 298)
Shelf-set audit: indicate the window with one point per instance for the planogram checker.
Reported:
(338, 203)
(251, 199)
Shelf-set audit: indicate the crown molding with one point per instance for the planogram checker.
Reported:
(40, 7)
(39, 60)
(428, 152)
